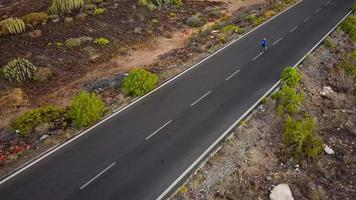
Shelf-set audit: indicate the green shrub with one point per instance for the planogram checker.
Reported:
(86, 109)
(349, 27)
(288, 100)
(28, 121)
(354, 7)
(329, 43)
(19, 70)
(35, 18)
(12, 25)
(232, 28)
(73, 42)
(99, 11)
(349, 64)
(60, 7)
(139, 82)
(155, 22)
(290, 77)
(195, 21)
(301, 138)
(101, 41)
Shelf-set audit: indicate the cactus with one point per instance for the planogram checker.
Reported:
(19, 70)
(65, 6)
(12, 25)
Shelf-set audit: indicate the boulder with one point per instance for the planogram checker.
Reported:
(281, 192)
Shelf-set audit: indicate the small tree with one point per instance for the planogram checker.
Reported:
(301, 137)
(290, 77)
(86, 109)
(139, 82)
(288, 100)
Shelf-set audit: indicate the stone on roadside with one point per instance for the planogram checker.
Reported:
(35, 33)
(281, 192)
(43, 137)
(326, 92)
(328, 150)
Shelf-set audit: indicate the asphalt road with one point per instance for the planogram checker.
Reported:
(140, 152)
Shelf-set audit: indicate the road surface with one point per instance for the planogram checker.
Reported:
(141, 151)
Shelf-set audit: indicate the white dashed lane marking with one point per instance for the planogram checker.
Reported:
(154, 133)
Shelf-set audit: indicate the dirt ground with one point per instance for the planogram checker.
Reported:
(166, 48)
(253, 160)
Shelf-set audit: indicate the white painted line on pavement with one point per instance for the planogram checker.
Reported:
(228, 78)
(277, 41)
(202, 97)
(257, 56)
(318, 10)
(119, 110)
(154, 133)
(293, 29)
(97, 176)
(202, 156)
(307, 19)
(327, 3)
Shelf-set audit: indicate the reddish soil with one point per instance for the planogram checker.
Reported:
(117, 24)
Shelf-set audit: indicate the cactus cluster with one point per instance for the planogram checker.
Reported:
(19, 70)
(12, 25)
(65, 6)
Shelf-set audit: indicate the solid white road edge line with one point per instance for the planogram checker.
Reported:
(48, 153)
(202, 97)
(307, 19)
(97, 176)
(154, 133)
(164, 193)
(277, 41)
(293, 29)
(228, 78)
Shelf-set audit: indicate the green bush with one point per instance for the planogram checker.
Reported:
(73, 42)
(349, 27)
(19, 70)
(101, 41)
(12, 25)
(99, 11)
(301, 138)
(61, 7)
(35, 18)
(86, 109)
(288, 100)
(139, 82)
(329, 43)
(195, 21)
(232, 28)
(28, 121)
(349, 64)
(290, 77)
